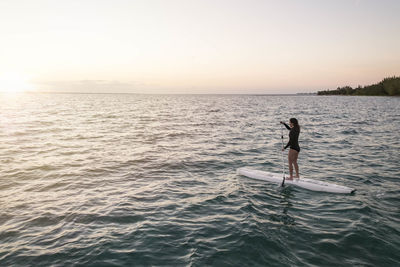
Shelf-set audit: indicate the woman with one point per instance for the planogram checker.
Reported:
(293, 143)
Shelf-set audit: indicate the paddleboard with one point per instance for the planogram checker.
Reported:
(309, 184)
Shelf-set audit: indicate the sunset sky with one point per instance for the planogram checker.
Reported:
(197, 46)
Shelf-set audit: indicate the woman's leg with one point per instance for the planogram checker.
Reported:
(290, 161)
(296, 166)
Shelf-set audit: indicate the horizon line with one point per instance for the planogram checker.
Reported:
(128, 93)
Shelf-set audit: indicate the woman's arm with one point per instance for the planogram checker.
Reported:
(288, 144)
(287, 126)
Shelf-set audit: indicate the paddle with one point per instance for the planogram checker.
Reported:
(283, 160)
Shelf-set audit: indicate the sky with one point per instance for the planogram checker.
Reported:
(197, 46)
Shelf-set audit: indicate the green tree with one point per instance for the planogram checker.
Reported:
(388, 86)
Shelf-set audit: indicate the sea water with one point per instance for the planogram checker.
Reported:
(139, 180)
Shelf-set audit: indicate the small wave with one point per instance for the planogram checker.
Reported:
(349, 132)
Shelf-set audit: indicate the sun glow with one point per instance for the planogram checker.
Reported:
(15, 83)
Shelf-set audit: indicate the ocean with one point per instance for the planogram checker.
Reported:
(150, 180)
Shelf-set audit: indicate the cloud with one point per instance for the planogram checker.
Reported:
(91, 86)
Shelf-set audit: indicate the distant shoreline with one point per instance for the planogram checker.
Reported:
(387, 87)
(339, 91)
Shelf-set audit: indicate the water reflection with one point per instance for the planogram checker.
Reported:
(285, 200)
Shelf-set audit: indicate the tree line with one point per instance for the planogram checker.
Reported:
(387, 87)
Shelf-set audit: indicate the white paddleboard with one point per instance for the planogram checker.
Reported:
(309, 184)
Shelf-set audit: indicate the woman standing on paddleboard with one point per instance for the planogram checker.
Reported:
(293, 143)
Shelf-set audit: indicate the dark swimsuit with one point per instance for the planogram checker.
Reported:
(293, 138)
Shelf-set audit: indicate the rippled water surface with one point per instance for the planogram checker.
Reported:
(132, 180)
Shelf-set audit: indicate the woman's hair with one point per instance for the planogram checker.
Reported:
(295, 122)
